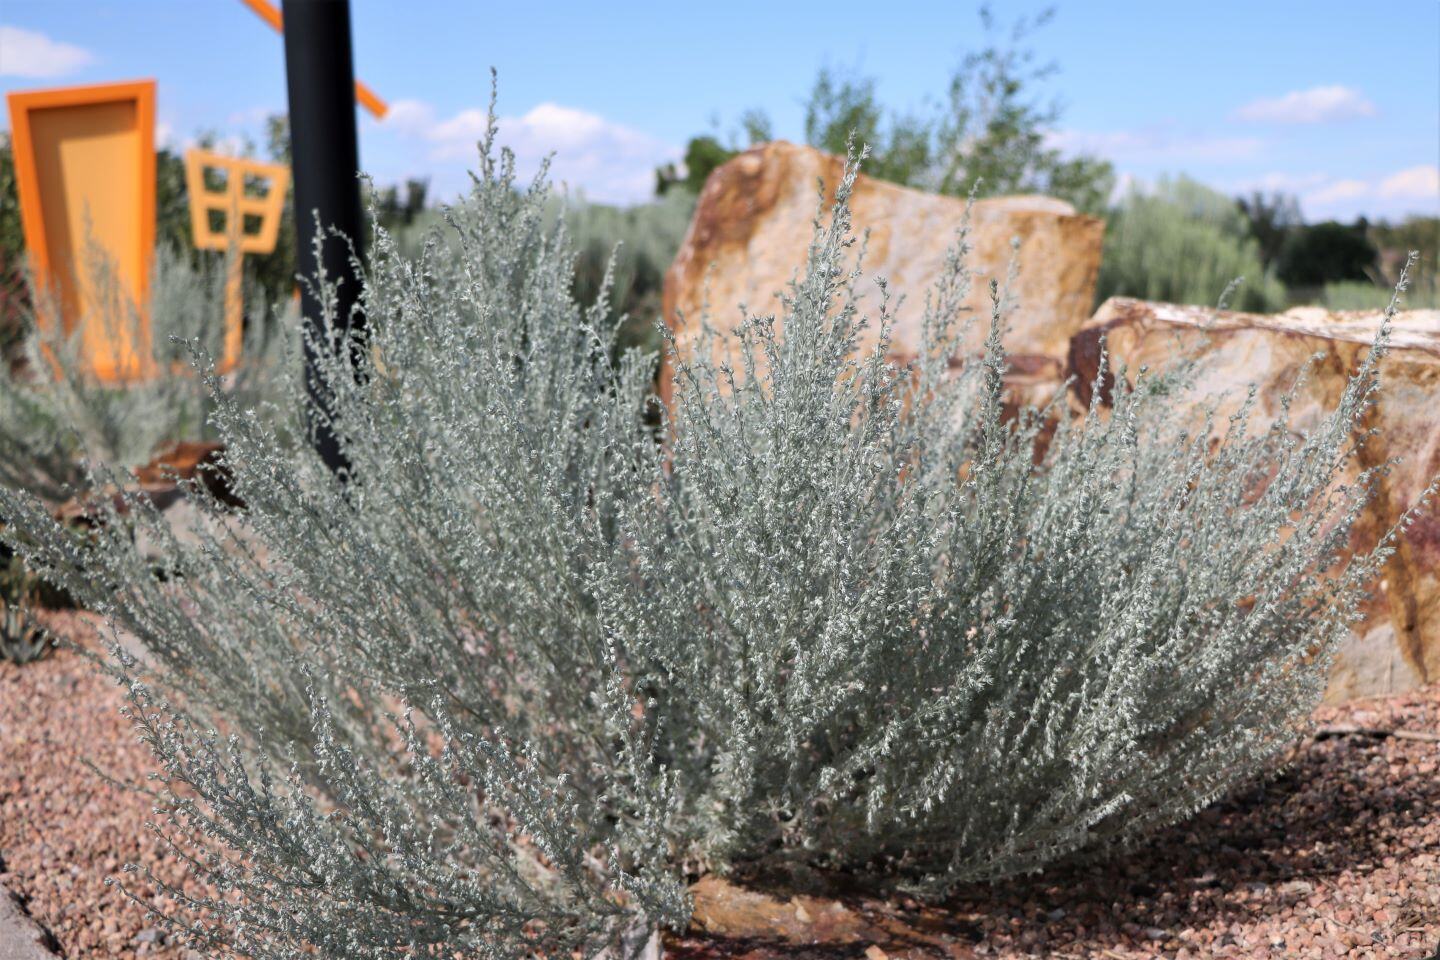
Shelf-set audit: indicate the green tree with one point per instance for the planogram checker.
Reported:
(1272, 219)
(756, 126)
(842, 106)
(275, 271)
(12, 237)
(1182, 242)
(393, 211)
(993, 132)
(172, 201)
(1396, 241)
(702, 155)
(989, 133)
(1324, 252)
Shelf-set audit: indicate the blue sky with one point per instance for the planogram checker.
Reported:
(1338, 102)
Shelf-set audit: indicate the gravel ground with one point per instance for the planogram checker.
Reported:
(1340, 856)
(63, 829)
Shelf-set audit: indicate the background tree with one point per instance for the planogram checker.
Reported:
(1420, 234)
(14, 297)
(1181, 242)
(392, 210)
(756, 126)
(706, 152)
(994, 131)
(842, 105)
(702, 155)
(989, 132)
(1327, 251)
(1271, 218)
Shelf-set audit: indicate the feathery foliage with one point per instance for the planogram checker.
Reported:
(497, 693)
(54, 415)
(623, 251)
(22, 640)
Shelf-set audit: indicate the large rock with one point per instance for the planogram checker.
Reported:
(1397, 646)
(754, 223)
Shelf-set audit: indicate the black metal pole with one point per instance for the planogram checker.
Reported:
(320, 81)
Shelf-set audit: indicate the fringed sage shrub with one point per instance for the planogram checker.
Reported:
(55, 415)
(532, 664)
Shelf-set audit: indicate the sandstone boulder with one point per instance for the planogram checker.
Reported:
(753, 225)
(1397, 646)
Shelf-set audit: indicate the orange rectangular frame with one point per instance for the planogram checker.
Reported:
(134, 253)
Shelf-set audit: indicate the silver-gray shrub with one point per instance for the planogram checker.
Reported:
(55, 416)
(502, 691)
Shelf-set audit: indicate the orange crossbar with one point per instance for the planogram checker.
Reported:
(270, 13)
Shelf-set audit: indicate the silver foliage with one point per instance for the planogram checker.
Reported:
(54, 414)
(497, 693)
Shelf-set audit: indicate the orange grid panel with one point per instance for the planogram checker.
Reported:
(233, 203)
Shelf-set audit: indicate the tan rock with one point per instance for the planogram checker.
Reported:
(1397, 646)
(753, 225)
(777, 927)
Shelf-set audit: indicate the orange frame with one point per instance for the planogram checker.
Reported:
(234, 204)
(24, 106)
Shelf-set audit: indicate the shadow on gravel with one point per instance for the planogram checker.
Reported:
(1343, 808)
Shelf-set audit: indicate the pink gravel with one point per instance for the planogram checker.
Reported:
(63, 829)
(1338, 857)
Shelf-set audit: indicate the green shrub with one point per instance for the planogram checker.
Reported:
(498, 693)
(1183, 243)
(636, 246)
(57, 421)
(22, 639)
(1364, 295)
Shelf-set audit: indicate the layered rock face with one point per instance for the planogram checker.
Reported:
(1397, 647)
(754, 222)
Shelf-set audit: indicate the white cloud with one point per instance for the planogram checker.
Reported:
(253, 116)
(607, 161)
(1415, 183)
(25, 53)
(1316, 105)
(1336, 191)
(456, 138)
(1322, 196)
(409, 116)
(1153, 145)
(1278, 182)
(1404, 192)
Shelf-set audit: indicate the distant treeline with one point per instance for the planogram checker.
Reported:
(1178, 241)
